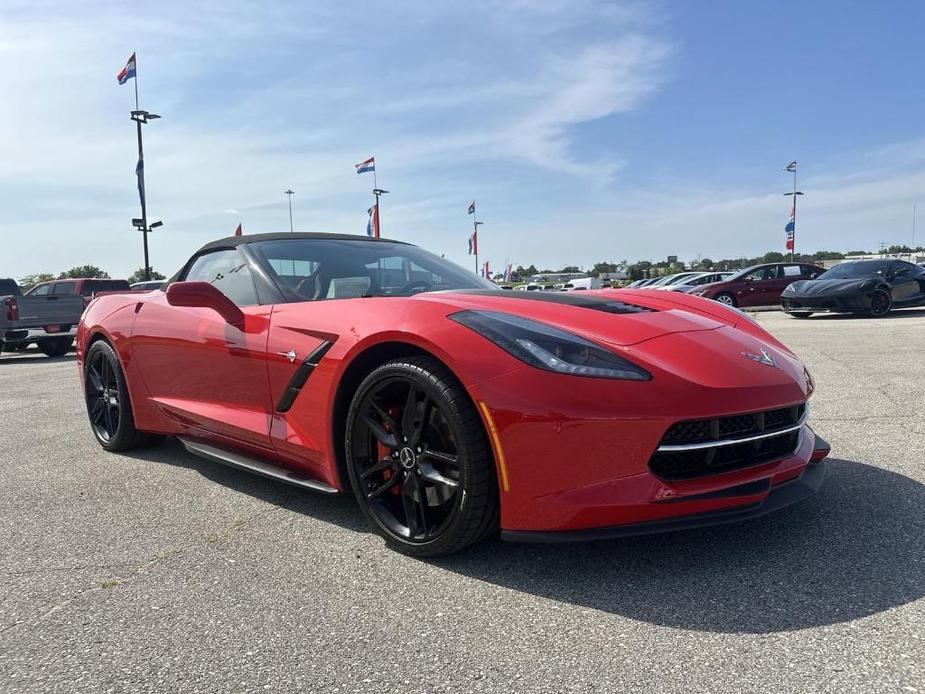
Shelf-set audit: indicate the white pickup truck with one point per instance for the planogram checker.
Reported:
(49, 321)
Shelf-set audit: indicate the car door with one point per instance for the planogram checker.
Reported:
(905, 285)
(203, 372)
(754, 286)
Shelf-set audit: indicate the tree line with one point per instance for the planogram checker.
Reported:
(80, 271)
(646, 268)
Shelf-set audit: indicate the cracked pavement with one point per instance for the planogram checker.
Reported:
(158, 571)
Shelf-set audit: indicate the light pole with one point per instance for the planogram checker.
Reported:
(377, 192)
(141, 118)
(475, 232)
(792, 226)
(289, 194)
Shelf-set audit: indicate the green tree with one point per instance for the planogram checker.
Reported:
(32, 280)
(83, 271)
(139, 275)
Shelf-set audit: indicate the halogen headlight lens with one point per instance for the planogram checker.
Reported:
(549, 348)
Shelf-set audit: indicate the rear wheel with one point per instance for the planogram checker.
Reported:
(55, 346)
(880, 303)
(108, 405)
(418, 459)
(726, 298)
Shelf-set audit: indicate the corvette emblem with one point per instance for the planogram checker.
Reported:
(763, 358)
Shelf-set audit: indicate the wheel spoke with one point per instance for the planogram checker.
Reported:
(415, 510)
(382, 436)
(96, 381)
(429, 473)
(384, 487)
(440, 456)
(107, 418)
(383, 415)
(96, 412)
(415, 437)
(409, 412)
(384, 464)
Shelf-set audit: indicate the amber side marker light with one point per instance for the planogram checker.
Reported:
(495, 444)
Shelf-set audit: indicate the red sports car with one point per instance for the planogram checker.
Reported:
(450, 408)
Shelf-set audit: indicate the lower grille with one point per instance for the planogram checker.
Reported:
(695, 448)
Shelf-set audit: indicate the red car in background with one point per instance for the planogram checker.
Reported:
(450, 408)
(758, 285)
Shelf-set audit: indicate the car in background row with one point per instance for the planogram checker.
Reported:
(49, 321)
(84, 287)
(691, 283)
(758, 285)
(866, 286)
(149, 286)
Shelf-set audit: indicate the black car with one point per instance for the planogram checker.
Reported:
(865, 286)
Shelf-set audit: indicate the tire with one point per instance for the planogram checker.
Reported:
(419, 461)
(801, 314)
(727, 299)
(109, 407)
(55, 346)
(880, 303)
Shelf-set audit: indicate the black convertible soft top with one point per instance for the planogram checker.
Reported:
(235, 241)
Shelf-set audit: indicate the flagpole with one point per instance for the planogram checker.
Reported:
(136, 88)
(475, 238)
(794, 248)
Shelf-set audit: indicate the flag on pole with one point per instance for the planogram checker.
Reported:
(239, 231)
(372, 226)
(486, 273)
(789, 244)
(474, 243)
(366, 166)
(140, 173)
(790, 224)
(508, 272)
(471, 208)
(128, 72)
(792, 166)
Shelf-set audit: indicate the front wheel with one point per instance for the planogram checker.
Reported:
(880, 303)
(418, 459)
(55, 346)
(108, 405)
(726, 298)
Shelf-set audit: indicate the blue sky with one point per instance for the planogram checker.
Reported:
(585, 130)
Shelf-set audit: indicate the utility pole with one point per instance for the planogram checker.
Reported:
(289, 194)
(377, 192)
(792, 226)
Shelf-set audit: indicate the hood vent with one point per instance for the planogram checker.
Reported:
(576, 299)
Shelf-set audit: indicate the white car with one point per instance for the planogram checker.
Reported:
(691, 283)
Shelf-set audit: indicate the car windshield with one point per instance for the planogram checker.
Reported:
(864, 268)
(309, 269)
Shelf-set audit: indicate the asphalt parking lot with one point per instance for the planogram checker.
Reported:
(158, 571)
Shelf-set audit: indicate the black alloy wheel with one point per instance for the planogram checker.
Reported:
(880, 303)
(801, 314)
(108, 405)
(418, 459)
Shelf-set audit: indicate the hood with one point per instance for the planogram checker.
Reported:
(823, 286)
(617, 317)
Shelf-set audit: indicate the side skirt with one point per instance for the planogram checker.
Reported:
(258, 467)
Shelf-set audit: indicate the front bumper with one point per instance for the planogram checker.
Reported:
(777, 496)
(853, 303)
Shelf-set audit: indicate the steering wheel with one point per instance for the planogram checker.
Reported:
(423, 284)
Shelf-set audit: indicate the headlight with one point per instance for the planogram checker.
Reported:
(549, 348)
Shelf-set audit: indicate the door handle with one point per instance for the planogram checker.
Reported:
(290, 355)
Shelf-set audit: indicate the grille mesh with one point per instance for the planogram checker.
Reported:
(677, 465)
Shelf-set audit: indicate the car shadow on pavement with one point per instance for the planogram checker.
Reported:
(339, 509)
(855, 549)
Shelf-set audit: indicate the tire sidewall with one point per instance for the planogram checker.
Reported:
(448, 409)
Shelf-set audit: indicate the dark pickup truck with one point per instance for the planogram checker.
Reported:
(50, 321)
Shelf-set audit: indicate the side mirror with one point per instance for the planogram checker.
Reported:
(204, 295)
(749, 278)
